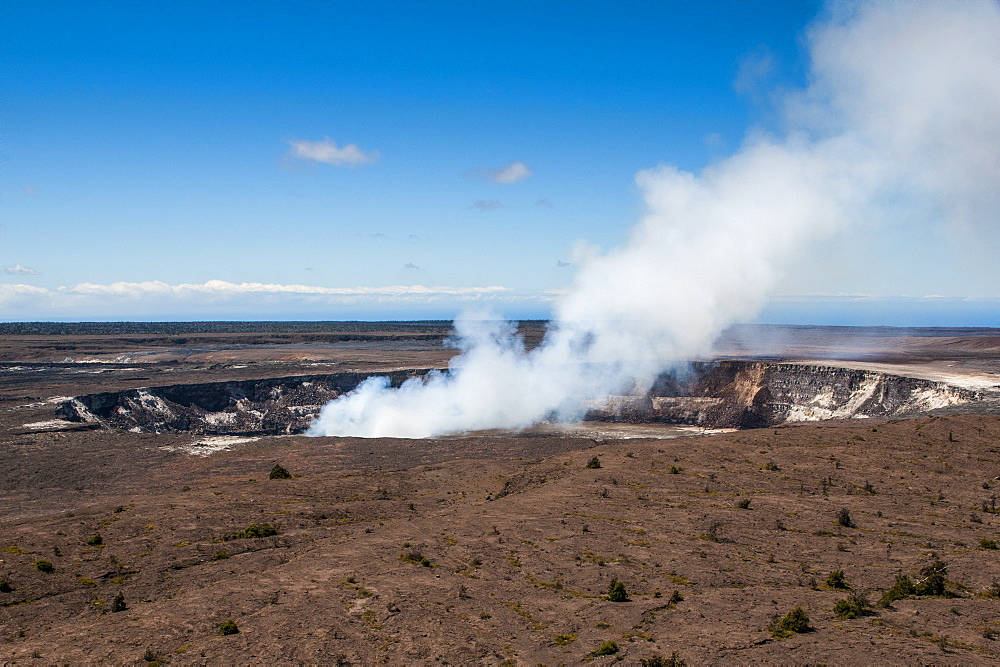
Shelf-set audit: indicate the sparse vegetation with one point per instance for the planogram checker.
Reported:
(415, 557)
(743, 503)
(44, 566)
(794, 622)
(5, 586)
(609, 647)
(836, 580)
(279, 472)
(933, 579)
(903, 588)
(564, 639)
(118, 603)
(712, 531)
(987, 544)
(253, 531)
(844, 518)
(770, 465)
(992, 591)
(95, 540)
(659, 661)
(594, 463)
(855, 606)
(617, 592)
(228, 628)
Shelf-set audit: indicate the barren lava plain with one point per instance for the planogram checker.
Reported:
(493, 547)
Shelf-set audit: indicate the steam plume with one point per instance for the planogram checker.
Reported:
(901, 118)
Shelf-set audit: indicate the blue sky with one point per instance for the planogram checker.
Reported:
(385, 159)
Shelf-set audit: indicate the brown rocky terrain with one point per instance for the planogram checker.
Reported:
(490, 547)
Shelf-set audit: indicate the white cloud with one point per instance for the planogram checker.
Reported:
(219, 298)
(328, 152)
(515, 172)
(18, 270)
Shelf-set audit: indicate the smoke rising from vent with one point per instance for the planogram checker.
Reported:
(900, 121)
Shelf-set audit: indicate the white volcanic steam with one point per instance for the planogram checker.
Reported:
(901, 118)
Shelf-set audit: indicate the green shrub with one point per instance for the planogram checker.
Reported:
(228, 628)
(5, 586)
(659, 661)
(743, 503)
(254, 530)
(278, 472)
(844, 518)
(563, 640)
(933, 579)
(852, 607)
(594, 463)
(903, 588)
(95, 540)
(837, 580)
(794, 622)
(415, 557)
(609, 647)
(118, 603)
(617, 592)
(987, 544)
(221, 555)
(44, 566)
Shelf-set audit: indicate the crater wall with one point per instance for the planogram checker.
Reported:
(724, 394)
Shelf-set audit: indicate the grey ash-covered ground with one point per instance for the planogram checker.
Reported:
(485, 548)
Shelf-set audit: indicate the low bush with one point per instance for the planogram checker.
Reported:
(609, 647)
(5, 586)
(659, 661)
(279, 472)
(415, 557)
(228, 628)
(844, 518)
(617, 592)
(253, 531)
(837, 580)
(853, 607)
(44, 566)
(933, 579)
(794, 622)
(903, 588)
(95, 540)
(594, 463)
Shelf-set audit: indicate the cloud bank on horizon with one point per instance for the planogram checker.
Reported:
(901, 118)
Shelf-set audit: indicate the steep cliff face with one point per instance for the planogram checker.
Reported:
(748, 394)
(267, 406)
(733, 394)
